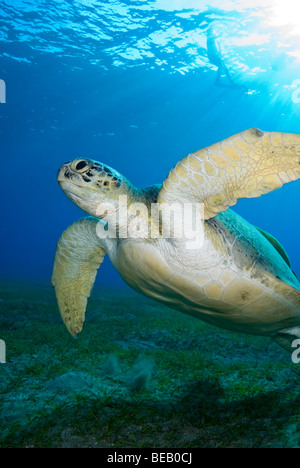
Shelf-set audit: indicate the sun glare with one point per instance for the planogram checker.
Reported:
(285, 13)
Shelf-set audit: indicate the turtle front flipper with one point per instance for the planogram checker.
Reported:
(245, 165)
(78, 256)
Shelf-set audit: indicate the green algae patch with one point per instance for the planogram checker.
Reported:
(139, 375)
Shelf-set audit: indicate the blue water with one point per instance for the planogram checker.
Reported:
(135, 84)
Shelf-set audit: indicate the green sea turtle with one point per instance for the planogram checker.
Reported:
(238, 278)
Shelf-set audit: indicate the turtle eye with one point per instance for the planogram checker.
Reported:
(82, 166)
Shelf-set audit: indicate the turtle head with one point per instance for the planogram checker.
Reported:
(93, 186)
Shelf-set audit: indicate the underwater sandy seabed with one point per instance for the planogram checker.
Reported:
(139, 375)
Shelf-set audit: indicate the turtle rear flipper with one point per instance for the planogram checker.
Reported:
(288, 339)
(276, 244)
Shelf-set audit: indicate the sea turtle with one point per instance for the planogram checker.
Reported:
(238, 278)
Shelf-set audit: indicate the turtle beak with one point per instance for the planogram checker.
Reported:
(63, 173)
